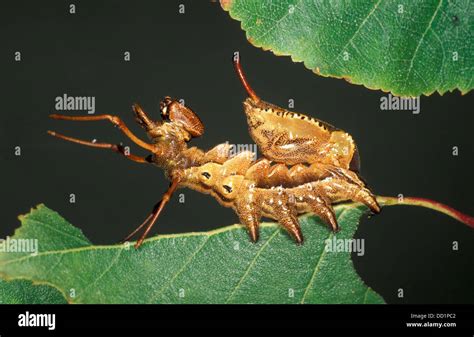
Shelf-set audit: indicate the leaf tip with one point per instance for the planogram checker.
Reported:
(34, 209)
(226, 4)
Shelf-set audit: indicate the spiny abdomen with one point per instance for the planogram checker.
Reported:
(266, 175)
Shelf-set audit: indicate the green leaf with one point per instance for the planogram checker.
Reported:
(403, 46)
(220, 266)
(24, 292)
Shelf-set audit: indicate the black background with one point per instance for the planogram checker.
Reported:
(189, 56)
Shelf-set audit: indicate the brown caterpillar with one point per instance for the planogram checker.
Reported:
(252, 188)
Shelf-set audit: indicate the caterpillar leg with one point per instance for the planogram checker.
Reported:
(291, 224)
(249, 211)
(322, 208)
(341, 190)
(285, 213)
(249, 215)
(367, 198)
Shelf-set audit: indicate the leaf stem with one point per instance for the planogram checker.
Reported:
(435, 205)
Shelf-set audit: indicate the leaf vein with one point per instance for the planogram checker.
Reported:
(61, 232)
(277, 22)
(419, 43)
(323, 254)
(114, 261)
(356, 32)
(251, 264)
(185, 265)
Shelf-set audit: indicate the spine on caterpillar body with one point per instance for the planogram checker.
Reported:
(256, 189)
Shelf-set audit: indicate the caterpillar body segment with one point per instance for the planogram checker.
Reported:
(239, 185)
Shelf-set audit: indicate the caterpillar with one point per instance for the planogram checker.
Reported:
(256, 189)
(307, 164)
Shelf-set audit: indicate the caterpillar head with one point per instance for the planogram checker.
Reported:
(178, 122)
(183, 117)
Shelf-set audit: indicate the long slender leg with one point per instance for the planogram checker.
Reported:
(114, 120)
(114, 147)
(129, 236)
(151, 219)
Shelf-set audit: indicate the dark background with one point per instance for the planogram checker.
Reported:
(189, 56)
